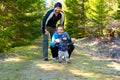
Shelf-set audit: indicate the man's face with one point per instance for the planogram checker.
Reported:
(58, 9)
(60, 30)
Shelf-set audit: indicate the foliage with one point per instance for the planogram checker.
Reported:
(19, 19)
(117, 16)
(97, 14)
(75, 17)
(89, 15)
(19, 22)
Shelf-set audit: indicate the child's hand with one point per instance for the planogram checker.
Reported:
(57, 40)
(64, 38)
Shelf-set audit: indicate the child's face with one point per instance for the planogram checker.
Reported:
(60, 30)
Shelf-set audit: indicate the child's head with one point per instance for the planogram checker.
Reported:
(60, 29)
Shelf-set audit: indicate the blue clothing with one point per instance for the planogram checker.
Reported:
(63, 45)
(51, 19)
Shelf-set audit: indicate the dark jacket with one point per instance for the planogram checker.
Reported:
(51, 20)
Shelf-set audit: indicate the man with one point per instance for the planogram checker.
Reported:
(49, 25)
(56, 45)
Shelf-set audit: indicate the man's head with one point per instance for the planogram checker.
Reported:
(60, 29)
(58, 7)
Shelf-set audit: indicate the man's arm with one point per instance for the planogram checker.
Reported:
(45, 19)
(62, 18)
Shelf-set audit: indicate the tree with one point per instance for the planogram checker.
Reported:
(75, 17)
(19, 21)
(118, 10)
(97, 14)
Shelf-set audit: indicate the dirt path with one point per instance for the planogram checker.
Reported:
(27, 64)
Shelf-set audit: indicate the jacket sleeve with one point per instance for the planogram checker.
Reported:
(69, 39)
(62, 18)
(43, 24)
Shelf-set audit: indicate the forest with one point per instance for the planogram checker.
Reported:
(94, 23)
(20, 20)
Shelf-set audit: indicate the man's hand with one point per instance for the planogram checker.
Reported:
(46, 31)
(73, 40)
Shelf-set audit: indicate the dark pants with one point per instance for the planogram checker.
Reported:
(54, 50)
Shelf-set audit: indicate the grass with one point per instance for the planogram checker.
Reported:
(26, 64)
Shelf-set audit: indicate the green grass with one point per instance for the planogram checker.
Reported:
(25, 63)
(12, 70)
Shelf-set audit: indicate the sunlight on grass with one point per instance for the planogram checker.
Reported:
(11, 69)
(25, 48)
(85, 74)
(13, 59)
(32, 47)
(49, 66)
(115, 65)
(28, 52)
(27, 64)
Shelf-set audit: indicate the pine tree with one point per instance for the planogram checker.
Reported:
(75, 17)
(118, 11)
(97, 15)
(19, 21)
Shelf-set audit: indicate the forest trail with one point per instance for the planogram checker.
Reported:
(26, 63)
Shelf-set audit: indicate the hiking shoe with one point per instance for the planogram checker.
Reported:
(46, 59)
(54, 59)
(68, 62)
(60, 62)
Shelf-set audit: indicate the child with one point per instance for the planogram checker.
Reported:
(63, 48)
(61, 40)
(56, 40)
